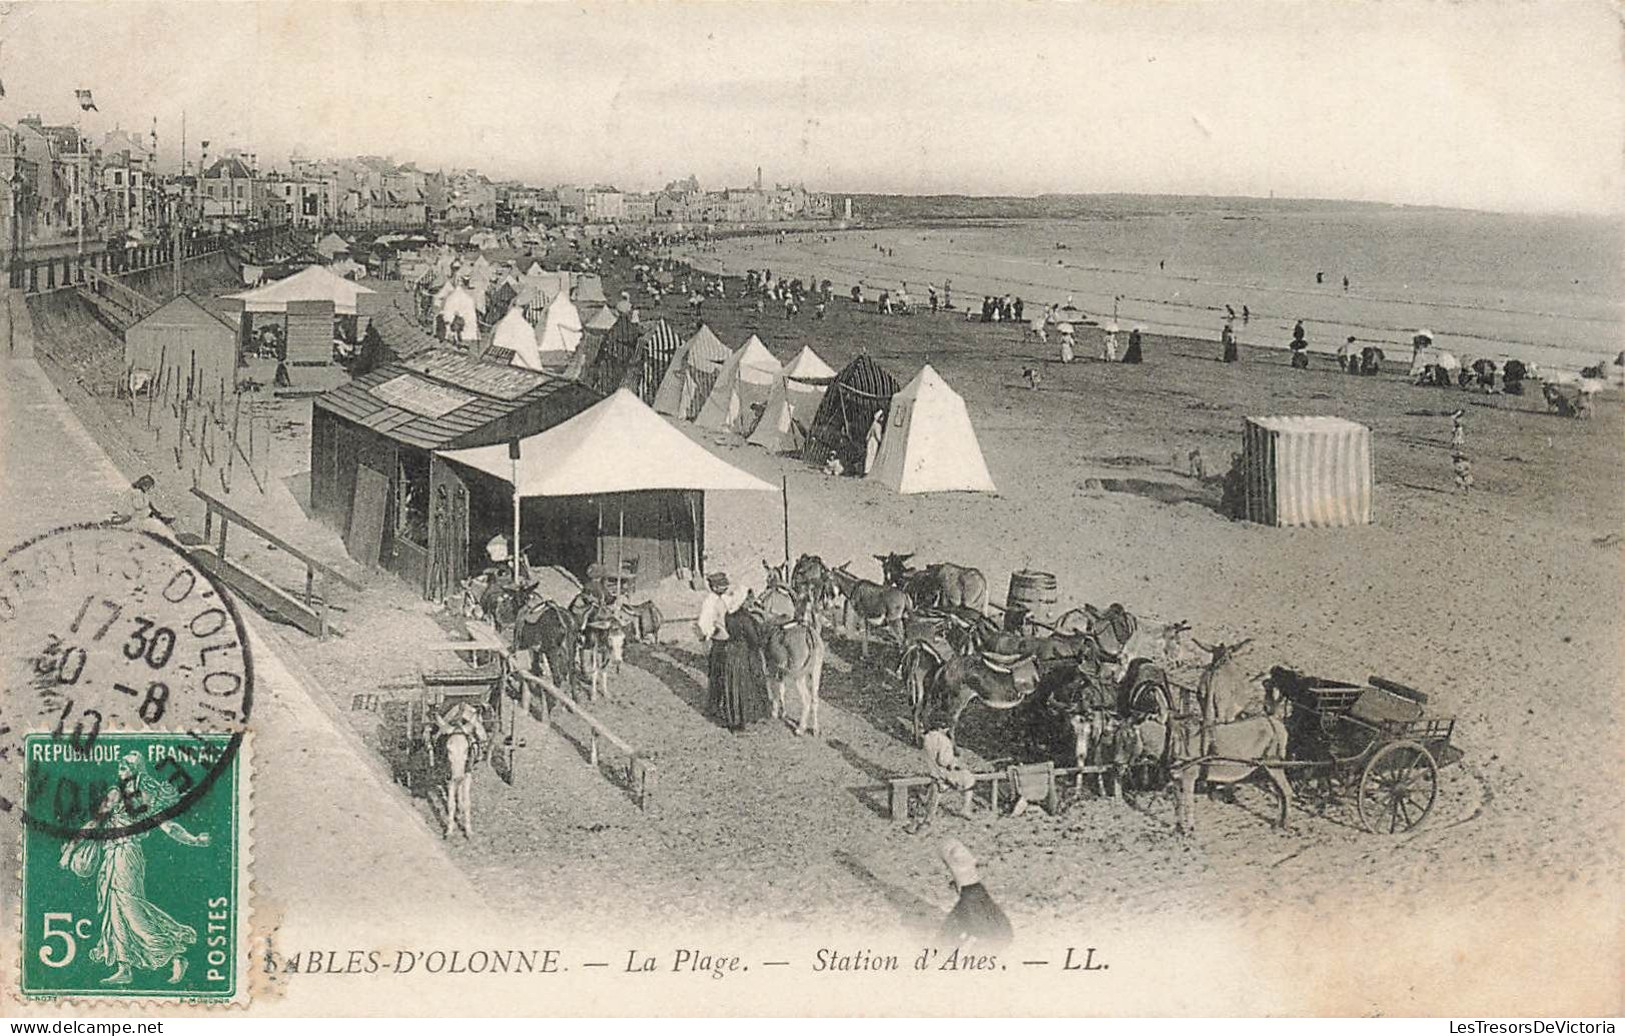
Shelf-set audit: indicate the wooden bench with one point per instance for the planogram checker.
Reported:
(900, 789)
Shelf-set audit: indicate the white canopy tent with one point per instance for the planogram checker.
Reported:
(313, 283)
(617, 446)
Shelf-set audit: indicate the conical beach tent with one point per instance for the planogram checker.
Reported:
(779, 430)
(842, 422)
(461, 304)
(514, 335)
(690, 375)
(741, 389)
(930, 446)
(562, 333)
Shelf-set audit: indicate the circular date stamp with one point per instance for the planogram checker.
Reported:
(108, 630)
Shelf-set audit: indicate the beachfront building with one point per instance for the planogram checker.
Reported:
(66, 179)
(287, 198)
(227, 191)
(595, 204)
(638, 208)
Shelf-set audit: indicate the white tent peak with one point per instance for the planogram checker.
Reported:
(460, 303)
(515, 334)
(562, 332)
(929, 445)
(618, 445)
(807, 364)
(741, 389)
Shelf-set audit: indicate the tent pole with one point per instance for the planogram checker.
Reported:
(784, 490)
(620, 538)
(598, 541)
(513, 457)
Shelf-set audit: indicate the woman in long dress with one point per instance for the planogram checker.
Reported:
(744, 678)
(135, 932)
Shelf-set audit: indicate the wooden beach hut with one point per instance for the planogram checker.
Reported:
(182, 342)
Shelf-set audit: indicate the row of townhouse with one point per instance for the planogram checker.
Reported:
(680, 201)
(56, 180)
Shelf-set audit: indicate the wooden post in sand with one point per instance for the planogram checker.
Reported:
(231, 451)
(784, 489)
(163, 354)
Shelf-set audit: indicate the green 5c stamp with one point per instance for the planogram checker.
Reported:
(115, 906)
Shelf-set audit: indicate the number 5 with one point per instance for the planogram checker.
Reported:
(66, 934)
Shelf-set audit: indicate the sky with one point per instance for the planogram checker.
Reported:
(1487, 105)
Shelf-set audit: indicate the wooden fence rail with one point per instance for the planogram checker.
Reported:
(308, 612)
(640, 770)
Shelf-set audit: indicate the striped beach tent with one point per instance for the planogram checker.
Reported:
(1307, 471)
(690, 375)
(658, 344)
(842, 422)
(603, 365)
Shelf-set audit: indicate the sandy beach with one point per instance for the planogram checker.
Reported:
(1502, 605)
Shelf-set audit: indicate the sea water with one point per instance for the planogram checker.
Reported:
(1547, 289)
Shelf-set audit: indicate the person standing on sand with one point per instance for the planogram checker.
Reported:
(1246, 314)
(712, 630)
(1345, 354)
(1067, 344)
(1458, 431)
(1108, 344)
(1227, 340)
(871, 446)
(976, 922)
(1132, 353)
(1019, 306)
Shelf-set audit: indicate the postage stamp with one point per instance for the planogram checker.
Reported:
(126, 686)
(114, 908)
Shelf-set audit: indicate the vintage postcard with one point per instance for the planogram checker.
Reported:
(812, 509)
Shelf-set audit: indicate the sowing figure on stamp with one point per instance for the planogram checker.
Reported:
(134, 932)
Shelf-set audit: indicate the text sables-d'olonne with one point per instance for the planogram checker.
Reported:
(682, 961)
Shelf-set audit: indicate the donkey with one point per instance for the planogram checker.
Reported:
(550, 633)
(603, 642)
(1201, 736)
(998, 682)
(871, 604)
(943, 585)
(811, 577)
(794, 654)
(461, 734)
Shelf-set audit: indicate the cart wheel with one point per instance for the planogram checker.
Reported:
(1398, 788)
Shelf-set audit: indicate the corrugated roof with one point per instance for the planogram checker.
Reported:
(362, 402)
(464, 371)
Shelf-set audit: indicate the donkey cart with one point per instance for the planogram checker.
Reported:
(1370, 741)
